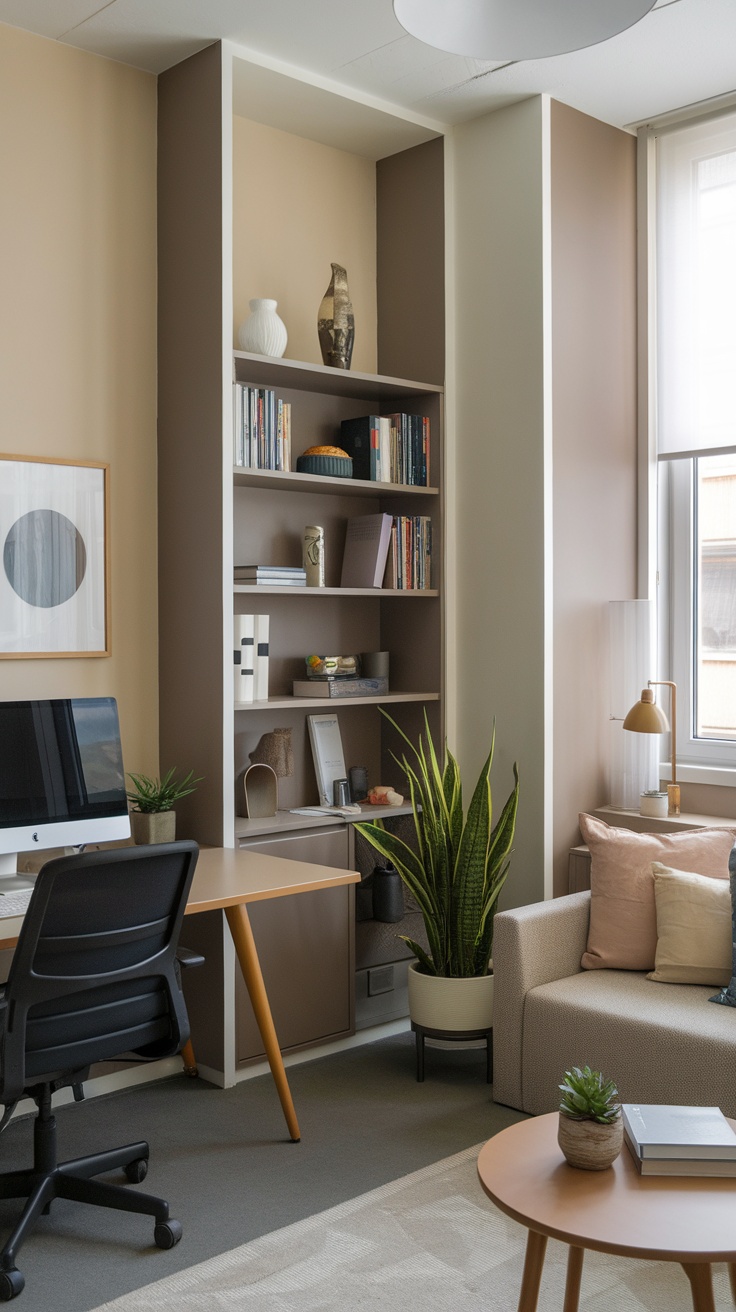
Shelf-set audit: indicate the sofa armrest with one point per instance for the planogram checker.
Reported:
(532, 945)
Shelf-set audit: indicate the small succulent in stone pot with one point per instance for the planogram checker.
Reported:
(590, 1130)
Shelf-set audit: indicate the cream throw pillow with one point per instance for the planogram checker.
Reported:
(623, 924)
(693, 928)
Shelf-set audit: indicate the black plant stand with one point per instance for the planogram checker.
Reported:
(459, 1036)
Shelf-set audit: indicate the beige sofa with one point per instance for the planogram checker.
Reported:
(659, 1042)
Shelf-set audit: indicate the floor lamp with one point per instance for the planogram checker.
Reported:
(646, 717)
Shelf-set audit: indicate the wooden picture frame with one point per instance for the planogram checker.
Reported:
(54, 558)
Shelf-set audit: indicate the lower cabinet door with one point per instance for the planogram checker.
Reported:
(306, 949)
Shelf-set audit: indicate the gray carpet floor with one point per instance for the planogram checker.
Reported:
(223, 1160)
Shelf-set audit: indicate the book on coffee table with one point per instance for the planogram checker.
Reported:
(671, 1140)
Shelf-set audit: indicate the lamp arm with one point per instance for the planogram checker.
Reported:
(667, 683)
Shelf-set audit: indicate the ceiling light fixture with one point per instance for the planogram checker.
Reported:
(517, 29)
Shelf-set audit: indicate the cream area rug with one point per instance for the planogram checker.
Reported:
(431, 1240)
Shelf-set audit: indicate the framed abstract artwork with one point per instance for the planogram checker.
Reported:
(54, 558)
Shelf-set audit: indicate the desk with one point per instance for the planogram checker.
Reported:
(227, 879)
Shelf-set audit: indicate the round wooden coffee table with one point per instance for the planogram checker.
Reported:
(685, 1219)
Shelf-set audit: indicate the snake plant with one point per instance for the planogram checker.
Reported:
(461, 862)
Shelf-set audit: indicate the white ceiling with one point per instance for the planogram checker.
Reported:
(682, 52)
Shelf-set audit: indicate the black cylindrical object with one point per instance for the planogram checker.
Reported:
(388, 894)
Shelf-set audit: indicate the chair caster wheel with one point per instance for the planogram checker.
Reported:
(137, 1170)
(166, 1234)
(12, 1283)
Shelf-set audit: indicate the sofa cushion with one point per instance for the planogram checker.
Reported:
(693, 928)
(658, 1044)
(623, 923)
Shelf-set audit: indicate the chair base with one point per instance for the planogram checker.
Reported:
(48, 1179)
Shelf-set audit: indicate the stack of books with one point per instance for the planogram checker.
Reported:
(665, 1140)
(388, 448)
(261, 429)
(409, 563)
(289, 576)
(340, 687)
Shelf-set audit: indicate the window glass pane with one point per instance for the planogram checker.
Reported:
(715, 598)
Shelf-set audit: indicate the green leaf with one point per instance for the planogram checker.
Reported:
(461, 862)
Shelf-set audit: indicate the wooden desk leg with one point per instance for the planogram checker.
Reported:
(732, 1278)
(536, 1246)
(574, 1277)
(189, 1060)
(245, 947)
(701, 1285)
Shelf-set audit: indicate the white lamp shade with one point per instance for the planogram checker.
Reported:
(633, 758)
(517, 29)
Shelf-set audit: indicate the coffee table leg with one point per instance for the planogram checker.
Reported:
(698, 1273)
(732, 1278)
(574, 1277)
(536, 1246)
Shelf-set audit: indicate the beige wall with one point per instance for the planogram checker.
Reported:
(593, 229)
(78, 333)
(298, 207)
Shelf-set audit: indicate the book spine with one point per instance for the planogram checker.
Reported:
(261, 637)
(287, 436)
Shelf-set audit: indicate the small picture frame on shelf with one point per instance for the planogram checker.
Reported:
(329, 760)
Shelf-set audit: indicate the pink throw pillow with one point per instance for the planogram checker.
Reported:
(623, 918)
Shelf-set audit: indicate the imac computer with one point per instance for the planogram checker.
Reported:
(62, 782)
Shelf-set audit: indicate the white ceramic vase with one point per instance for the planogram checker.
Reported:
(263, 332)
(455, 1005)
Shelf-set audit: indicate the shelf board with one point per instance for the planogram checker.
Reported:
(283, 821)
(278, 590)
(278, 480)
(267, 371)
(321, 703)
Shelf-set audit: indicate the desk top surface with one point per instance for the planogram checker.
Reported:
(227, 877)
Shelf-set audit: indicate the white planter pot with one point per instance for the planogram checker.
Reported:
(263, 332)
(455, 1005)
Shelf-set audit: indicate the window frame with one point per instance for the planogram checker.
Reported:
(665, 517)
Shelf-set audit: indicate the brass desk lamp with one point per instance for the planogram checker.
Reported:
(646, 717)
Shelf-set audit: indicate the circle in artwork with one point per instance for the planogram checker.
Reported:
(45, 558)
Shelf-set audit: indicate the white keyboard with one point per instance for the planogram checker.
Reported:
(15, 903)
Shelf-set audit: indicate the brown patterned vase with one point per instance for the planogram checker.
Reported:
(336, 322)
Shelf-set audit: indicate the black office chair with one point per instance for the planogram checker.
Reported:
(94, 976)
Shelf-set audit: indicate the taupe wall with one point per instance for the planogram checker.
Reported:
(299, 206)
(545, 457)
(78, 333)
(497, 558)
(593, 229)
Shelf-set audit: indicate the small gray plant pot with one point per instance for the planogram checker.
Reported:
(153, 826)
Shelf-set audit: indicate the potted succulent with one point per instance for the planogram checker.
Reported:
(152, 818)
(455, 876)
(590, 1131)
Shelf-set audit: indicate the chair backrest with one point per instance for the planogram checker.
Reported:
(93, 975)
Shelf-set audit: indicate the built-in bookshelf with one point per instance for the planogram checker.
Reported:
(215, 514)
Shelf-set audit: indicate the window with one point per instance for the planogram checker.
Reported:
(695, 424)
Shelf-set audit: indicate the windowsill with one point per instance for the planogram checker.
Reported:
(720, 776)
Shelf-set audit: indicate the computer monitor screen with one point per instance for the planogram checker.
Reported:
(62, 781)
